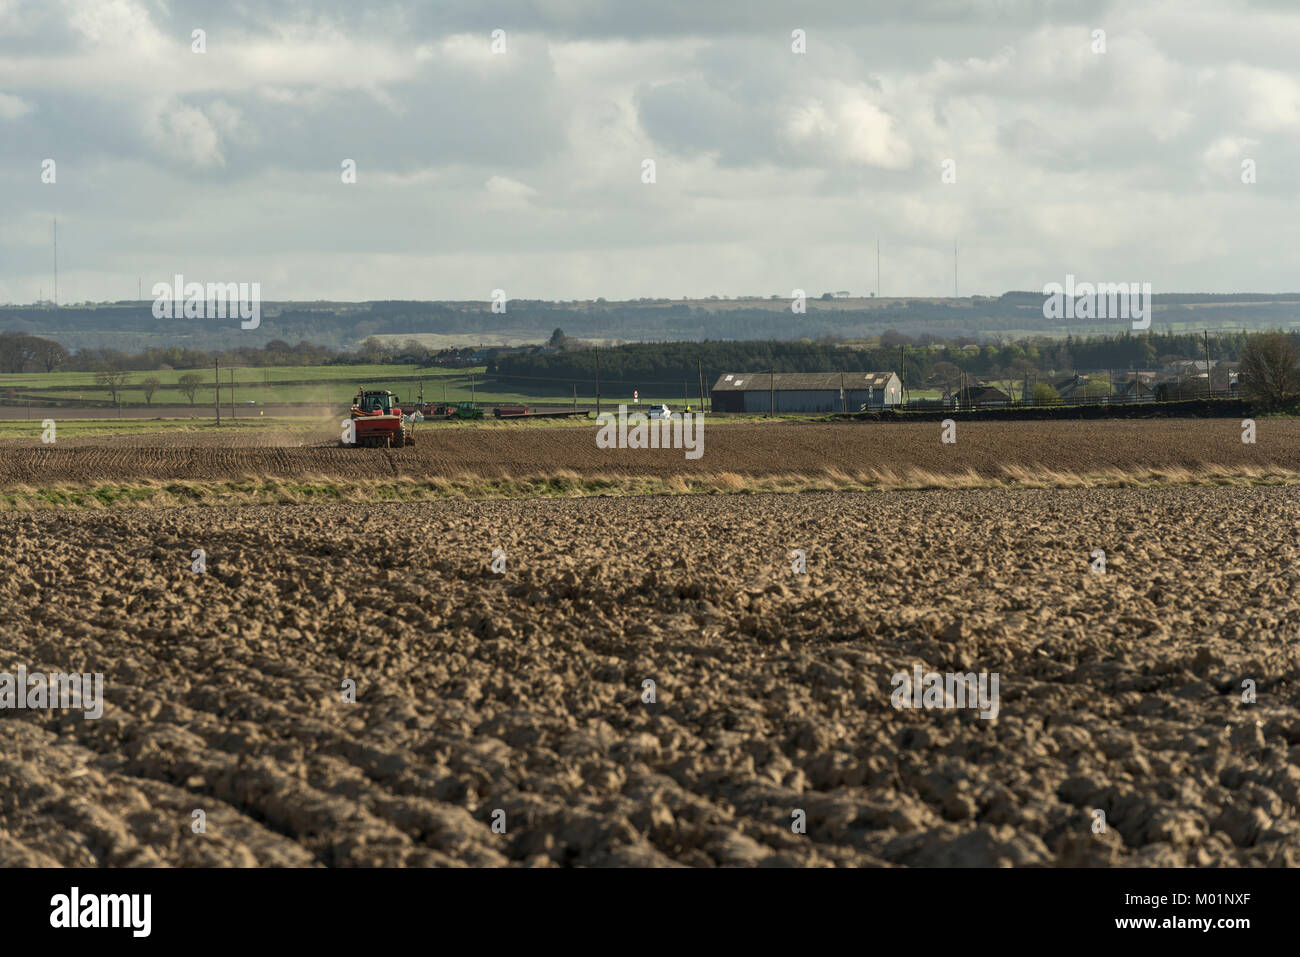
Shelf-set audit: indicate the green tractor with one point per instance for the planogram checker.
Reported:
(467, 410)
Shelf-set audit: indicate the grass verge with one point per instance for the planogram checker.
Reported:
(567, 484)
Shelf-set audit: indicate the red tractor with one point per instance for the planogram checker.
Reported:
(378, 420)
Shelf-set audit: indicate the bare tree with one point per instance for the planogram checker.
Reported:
(112, 380)
(1269, 371)
(150, 386)
(189, 384)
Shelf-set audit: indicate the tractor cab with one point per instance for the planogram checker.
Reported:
(375, 403)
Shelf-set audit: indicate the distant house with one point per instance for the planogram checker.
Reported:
(974, 395)
(1071, 387)
(1186, 367)
(806, 391)
(1135, 390)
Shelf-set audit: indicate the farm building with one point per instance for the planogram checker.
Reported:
(805, 391)
(977, 395)
(1135, 390)
(1071, 387)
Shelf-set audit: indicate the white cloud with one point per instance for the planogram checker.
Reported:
(850, 127)
(1227, 152)
(1269, 99)
(509, 191)
(116, 24)
(12, 107)
(184, 133)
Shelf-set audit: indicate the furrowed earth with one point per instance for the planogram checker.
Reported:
(1159, 697)
(987, 448)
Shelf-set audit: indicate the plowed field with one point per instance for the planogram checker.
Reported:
(524, 692)
(743, 448)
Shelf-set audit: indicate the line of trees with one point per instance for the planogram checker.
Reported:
(117, 380)
(924, 358)
(277, 352)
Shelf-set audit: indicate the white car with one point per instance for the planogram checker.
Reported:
(658, 412)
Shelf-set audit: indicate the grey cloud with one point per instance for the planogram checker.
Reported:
(775, 170)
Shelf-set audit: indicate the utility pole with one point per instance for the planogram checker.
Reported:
(56, 260)
(699, 369)
(232, 395)
(844, 400)
(877, 267)
(217, 364)
(902, 376)
(771, 384)
(954, 269)
(598, 380)
(1209, 389)
(575, 397)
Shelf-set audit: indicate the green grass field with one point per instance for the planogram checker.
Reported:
(325, 385)
(322, 385)
(268, 374)
(270, 385)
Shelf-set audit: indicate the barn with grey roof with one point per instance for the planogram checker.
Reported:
(805, 391)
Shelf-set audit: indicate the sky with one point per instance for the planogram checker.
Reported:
(1164, 149)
